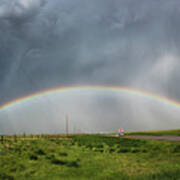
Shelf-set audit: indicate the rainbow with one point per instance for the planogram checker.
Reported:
(130, 91)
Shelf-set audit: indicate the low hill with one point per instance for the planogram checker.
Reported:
(174, 132)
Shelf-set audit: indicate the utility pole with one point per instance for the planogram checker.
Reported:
(67, 124)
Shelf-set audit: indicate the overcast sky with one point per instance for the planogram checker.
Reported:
(53, 43)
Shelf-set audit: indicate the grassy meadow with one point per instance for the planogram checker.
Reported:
(88, 157)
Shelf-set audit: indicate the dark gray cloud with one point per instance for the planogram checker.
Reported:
(55, 43)
(45, 44)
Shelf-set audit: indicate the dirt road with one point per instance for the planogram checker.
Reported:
(165, 138)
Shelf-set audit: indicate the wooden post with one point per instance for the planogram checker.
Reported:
(24, 135)
(2, 139)
(15, 138)
(67, 130)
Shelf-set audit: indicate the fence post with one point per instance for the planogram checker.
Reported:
(2, 139)
(15, 138)
(24, 135)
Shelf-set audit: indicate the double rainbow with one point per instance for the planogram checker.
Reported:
(112, 88)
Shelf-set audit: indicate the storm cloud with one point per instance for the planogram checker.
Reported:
(46, 44)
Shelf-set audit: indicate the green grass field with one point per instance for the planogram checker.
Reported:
(88, 157)
(175, 132)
